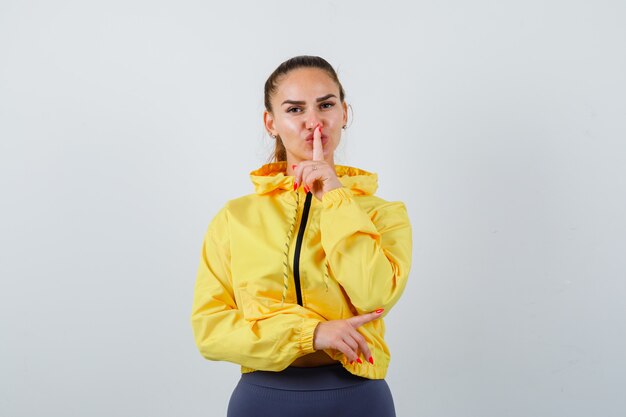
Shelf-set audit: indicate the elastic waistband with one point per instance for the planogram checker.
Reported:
(296, 378)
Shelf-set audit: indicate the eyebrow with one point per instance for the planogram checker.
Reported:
(326, 97)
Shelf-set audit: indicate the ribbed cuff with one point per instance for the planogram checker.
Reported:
(307, 331)
(336, 196)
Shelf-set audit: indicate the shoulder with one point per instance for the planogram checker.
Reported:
(377, 208)
(244, 203)
(241, 207)
(374, 203)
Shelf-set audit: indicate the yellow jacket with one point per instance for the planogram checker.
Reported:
(277, 262)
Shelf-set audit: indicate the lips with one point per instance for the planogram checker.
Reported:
(324, 139)
(310, 136)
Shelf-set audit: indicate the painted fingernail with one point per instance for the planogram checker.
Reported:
(294, 166)
(295, 186)
(359, 360)
(371, 360)
(351, 362)
(380, 310)
(306, 189)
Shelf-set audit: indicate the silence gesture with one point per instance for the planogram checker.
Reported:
(317, 175)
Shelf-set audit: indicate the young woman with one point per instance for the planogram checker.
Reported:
(295, 278)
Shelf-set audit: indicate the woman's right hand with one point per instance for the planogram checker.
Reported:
(343, 336)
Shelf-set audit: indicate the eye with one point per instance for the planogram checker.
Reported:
(291, 109)
(327, 104)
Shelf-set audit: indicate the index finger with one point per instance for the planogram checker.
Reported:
(357, 321)
(318, 148)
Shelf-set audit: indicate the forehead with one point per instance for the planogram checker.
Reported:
(304, 82)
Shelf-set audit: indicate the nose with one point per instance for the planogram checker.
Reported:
(312, 122)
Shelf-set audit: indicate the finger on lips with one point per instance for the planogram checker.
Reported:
(318, 155)
(318, 149)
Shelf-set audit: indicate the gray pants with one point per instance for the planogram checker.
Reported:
(328, 390)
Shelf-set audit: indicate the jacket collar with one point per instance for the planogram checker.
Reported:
(272, 177)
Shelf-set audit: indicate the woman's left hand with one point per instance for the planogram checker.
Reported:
(317, 175)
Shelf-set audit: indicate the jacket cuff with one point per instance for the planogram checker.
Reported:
(307, 331)
(336, 196)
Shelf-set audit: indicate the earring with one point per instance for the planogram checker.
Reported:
(343, 127)
(273, 136)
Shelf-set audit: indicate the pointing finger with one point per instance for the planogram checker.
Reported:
(357, 321)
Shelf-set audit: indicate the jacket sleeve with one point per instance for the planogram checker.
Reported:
(369, 254)
(222, 332)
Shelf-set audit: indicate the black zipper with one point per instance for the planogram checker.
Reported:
(296, 256)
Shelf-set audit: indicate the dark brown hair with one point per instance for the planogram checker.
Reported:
(302, 61)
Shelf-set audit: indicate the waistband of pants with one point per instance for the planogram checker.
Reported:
(296, 378)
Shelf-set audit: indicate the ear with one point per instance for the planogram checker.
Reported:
(345, 113)
(268, 121)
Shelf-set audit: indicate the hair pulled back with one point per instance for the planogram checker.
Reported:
(271, 85)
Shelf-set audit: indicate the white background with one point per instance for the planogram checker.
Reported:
(126, 125)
